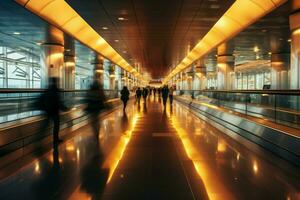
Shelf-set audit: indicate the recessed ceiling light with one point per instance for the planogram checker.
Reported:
(116, 40)
(38, 43)
(104, 28)
(270, 53)
(124, 51)
(255, 49)
(67, 49)
(121, 19)
(289, 40)
(16, 33)
(215, 6)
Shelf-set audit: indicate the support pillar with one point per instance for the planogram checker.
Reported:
(53, 56)
(69, 64)
(225, 70)
(112, 77)
(123, 78)
(295, 46)
(99, 69)
(279, 70)
(201, 73)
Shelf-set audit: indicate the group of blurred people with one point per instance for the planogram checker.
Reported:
(51, 103)
(165, 92)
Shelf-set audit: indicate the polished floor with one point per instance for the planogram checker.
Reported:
(153, 153)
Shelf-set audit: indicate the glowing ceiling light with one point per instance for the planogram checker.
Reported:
(16, 33)
(239, 16)
(116, 40)
(256, 49)
(121, 19)
(70, 22)
(104, 28)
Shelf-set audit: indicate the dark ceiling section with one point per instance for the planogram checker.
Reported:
(269, 34)
(154, 33)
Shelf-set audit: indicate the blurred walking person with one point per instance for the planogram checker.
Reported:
(164, 94)
(51, 103)
(171, 91)
(95, 103)
(125, 97)
(145, 93)
(138, 94)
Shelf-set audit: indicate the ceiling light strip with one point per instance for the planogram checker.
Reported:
(239, 16)
(61, 14)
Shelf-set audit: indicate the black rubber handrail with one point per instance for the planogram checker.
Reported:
(271, 92)
(41, 90)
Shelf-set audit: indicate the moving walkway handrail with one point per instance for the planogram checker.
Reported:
(40, 90)
(280, 106)
(273, 92)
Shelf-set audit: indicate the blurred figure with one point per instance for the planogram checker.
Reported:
(158, 91)
(95, 103)
(93, 177)
(125, 97)
(154, 91)
(138, 94)
(52, 179)
(51, 103)
(145, 93)
(164, 94)
(171, 91)
(125, 122)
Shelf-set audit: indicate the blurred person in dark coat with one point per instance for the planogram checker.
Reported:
(95, 101)
(165, 94)
(125, 96)
(138, 94)
(145, 93)
(52, 104)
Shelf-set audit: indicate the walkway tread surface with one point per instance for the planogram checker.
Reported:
(150, 167)
(151, 153)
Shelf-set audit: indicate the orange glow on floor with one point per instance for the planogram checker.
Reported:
(214, 189)
(113, 159)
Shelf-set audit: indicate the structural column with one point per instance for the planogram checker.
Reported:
(225, 70)
(53, 56)
(201, 73)
(99, 69)
(295, 46)
(112, 77)
(69, 64)
(279, 69)
(123, 78)
(190, 78)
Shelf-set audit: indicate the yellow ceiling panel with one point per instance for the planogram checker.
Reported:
(239, 16)
(72, 23)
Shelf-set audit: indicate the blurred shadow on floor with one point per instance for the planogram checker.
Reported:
(93, 177)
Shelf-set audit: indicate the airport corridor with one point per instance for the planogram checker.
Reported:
(152, 153)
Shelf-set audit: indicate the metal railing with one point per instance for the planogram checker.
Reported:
(21, 103)
(280, 106)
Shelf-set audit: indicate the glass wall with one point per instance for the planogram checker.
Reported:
(19, 69)
(251, 81)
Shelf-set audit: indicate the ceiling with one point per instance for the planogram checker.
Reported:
(31, 30)
(270, 34)
(154, 35)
